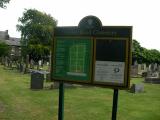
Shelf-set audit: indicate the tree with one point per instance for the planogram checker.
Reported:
(155, 56)
(3, 3)
(143, 55)
(137, 52)
(36, 33)
(4, 49)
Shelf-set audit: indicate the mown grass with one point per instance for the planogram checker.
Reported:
(18, 102)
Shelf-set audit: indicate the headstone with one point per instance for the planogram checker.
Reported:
(137, 88)
(20, 67)
(17, 66)
(27, 63)
(153, 75)
(149, 67)
(48, 77)
(156, 74)
(152, 80)
(32, 64)
(152, 67)
(144, 74)
(24, 68)
(159, 68)
(136, 63)
(139, 68)
(40, 62)
(142, 68)
(155, 67)
(134, 70)
(37, 80)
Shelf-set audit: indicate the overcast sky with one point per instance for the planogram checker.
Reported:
(143, 15)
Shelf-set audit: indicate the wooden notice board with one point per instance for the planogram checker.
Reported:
(92, 54)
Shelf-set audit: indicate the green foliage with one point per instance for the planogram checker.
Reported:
(155, 56)
(3, 2)
(143, 55)
(37, 51)
(136, 54)
(36, 33)
(4, 49)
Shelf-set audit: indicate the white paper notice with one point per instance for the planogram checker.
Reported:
(108, 71)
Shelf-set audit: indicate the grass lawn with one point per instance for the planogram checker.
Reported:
(18, 102)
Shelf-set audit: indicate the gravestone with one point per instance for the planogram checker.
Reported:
(17, 66)
(152, 67)
(134, 70)
(21, 67)
(40, 62)
(32, 64)
(152, 80)
(48, 77)
(37, 80)
(137, 88)
(159, 68)
(155, 67)
(153, 75)
(142, 68)
(144, 74)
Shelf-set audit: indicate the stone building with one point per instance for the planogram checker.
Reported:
(13, 42)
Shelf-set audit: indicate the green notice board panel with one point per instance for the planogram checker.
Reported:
(72, 59)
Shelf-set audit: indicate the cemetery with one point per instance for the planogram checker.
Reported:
(18, 101)
(27, 89)
(151, 73)
(88, 71)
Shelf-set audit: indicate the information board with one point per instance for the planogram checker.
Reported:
(72, 60)
(92, 54)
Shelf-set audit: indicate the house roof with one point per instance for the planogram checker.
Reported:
(12, 41)
(4, 35)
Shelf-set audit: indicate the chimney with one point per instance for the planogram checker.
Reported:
(6, 35)
(6, 32)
